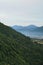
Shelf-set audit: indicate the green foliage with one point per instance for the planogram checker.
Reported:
(16, 49)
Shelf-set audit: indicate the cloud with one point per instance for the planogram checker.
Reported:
(20, 11)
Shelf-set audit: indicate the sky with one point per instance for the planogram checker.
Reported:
(21, 12)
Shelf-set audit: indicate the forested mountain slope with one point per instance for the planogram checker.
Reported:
(17, 49)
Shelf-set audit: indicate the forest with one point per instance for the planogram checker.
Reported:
(17, 49)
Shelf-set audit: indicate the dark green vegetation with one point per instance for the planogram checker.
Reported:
(16, 49)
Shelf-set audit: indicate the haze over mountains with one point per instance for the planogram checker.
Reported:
(31, 30)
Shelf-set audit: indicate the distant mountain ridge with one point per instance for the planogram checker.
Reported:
(31, 30)
(17, 27)
(31, 27)
(20, 27)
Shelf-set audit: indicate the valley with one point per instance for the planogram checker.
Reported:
(39, 41)
(31, 31)
(18, 49)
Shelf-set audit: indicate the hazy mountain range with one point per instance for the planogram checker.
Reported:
(31, 30)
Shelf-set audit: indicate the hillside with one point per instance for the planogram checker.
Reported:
(17, 49)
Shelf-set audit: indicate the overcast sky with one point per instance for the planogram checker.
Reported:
(21, 12)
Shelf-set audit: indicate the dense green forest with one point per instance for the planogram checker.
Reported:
(17, 49)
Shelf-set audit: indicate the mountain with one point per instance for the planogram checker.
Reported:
(17, 49)
(39, 29)
(24, 27)
(32, 31)
(17, 27)
(31, 27)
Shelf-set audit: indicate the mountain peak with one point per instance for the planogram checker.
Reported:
(31, 26)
